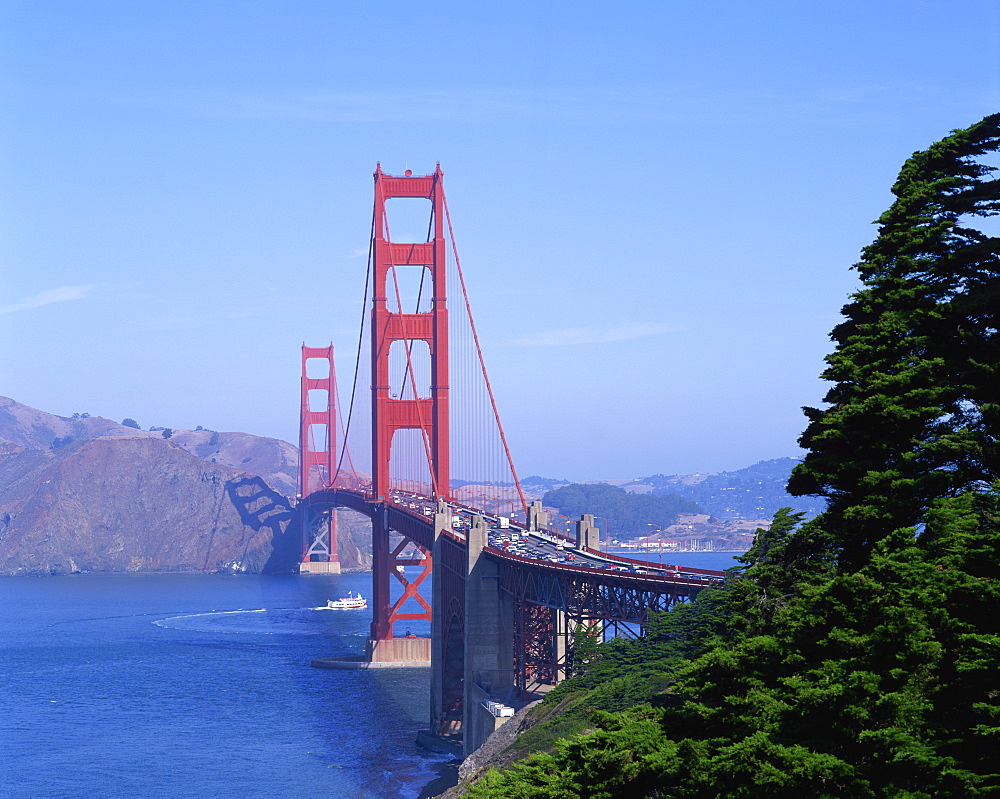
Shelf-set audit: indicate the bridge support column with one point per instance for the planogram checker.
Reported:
(442, 522)
(561, 645)
(536, 516)
(381, 628)
(489, 636)
(320, 526)
(586, 534)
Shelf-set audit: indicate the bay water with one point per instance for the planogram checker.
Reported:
(201, 686)
(696, 560)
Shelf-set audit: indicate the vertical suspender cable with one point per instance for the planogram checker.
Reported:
(482, 363)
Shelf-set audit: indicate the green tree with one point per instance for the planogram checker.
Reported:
(915, 410)
(167, 432)
(883, 673)
(129, 422)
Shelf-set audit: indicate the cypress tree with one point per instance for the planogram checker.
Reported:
(915, 410)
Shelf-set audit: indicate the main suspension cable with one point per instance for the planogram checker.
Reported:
(357, 356)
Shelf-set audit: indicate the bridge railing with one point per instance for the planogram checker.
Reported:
(617, 574)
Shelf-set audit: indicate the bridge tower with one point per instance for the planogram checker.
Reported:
(317, 462)
(395, 332)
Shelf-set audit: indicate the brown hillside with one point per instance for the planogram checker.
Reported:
(89, 494)
(34, 429)
(138, 504)
(274, 460)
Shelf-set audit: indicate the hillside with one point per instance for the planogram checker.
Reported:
(754, 492)
(750, 494)
(137, 505)
(630, 514)
(88, 494)
(722, 509)
(269, 458)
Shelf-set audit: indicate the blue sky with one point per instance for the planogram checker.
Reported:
(656, 203)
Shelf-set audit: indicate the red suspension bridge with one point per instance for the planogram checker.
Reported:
(504, 593)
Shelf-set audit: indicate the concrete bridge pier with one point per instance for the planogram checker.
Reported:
(442, 522)
(587, 535)
(561, 644)
(537, 520)
(489, 635)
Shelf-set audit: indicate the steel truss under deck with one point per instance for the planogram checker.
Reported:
(550, 604)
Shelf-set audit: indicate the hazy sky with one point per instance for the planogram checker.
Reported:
(657, 204)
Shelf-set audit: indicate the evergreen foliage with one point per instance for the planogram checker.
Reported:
(856, 654)
(915, 410)
(130, 422)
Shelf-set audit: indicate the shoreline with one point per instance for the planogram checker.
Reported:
(446, 773)
(447, 778)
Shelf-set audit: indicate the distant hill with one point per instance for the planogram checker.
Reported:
(539, 485)
(274, 460)
(137, 504)
(754, 492)
(88, 494)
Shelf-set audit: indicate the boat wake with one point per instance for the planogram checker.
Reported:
(256, 621)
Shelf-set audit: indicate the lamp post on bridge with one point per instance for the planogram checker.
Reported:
(505, 507)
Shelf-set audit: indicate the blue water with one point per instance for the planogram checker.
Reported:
(694, 560)
(200, 686)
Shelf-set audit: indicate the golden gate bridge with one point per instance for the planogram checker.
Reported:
(505, 592)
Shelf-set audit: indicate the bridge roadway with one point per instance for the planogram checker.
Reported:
(412, 515)
(505, 612)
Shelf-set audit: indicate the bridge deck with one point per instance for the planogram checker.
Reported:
(412, 516)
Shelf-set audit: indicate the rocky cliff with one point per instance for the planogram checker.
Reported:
(88, 494)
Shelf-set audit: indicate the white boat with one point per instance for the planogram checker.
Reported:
(349, 602)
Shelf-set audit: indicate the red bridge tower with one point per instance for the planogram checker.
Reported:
(408, 409)
(317, 461)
